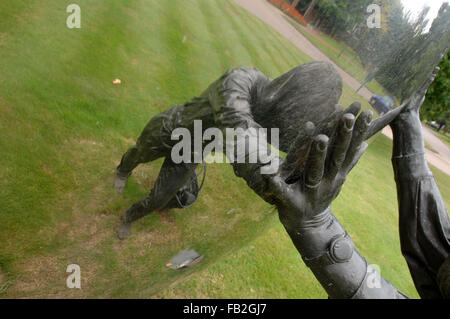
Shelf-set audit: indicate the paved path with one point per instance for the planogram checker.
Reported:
(437, 159)
(274, 17)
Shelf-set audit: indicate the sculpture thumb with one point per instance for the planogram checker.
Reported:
(423, 89)
(384, 120)
(277, 186)
(378, 124)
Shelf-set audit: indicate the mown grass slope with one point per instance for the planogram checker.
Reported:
(64, 127)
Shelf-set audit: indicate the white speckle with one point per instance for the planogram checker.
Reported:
(230, 211)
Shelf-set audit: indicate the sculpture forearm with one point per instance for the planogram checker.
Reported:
(329, 252)
(408, 147)
(423, 219)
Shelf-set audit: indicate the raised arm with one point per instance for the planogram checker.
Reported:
(423, 218)
(231, 98)
(304, 205)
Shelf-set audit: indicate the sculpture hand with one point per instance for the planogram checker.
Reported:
(416, 100)
(303, 208)
(304, 203)
(407, 127)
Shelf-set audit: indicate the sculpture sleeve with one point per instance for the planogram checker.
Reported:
(423, 219)
(232, 98)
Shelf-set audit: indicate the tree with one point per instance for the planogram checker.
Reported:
(295, 3)
(310, 7)
(437, 103)
(400, 54)
(407, 53)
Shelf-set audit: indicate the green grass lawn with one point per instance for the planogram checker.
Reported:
(64, 127)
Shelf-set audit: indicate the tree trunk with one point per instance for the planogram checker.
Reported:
(294, 3)
(310, 8)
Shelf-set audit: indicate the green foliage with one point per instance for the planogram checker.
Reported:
(437, 103)
(401, 53)
(337, 17)
(406, 54)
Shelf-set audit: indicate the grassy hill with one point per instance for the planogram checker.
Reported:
(64, 127)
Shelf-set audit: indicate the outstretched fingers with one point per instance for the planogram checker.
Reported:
(316, 163)
(354, 108)
(342, 143)
(357, 145)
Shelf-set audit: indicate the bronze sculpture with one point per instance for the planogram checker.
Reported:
(241, 98)
(322, 149)
(323, 243)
